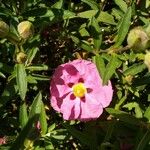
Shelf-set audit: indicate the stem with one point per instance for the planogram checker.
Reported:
(115, 50)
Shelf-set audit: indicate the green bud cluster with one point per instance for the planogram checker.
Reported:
(4, 29)
(138, 39)
(25, 29)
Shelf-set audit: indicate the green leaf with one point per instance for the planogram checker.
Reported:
(40, 77)
(147, 113)
(106, 18)
(84, 45)
(37, 68)
(135, 105)
(31, 55)
(78, 134)
(23, 117)
(91, 3)
(43, 121)
(58, 4)
(96, 33)
(124, 27)
(21, 80)
(36, 105)
(98, 60)
(122, 5)
(134, 69)
(123, 116)
(2, 75)
(19, 142)
(87, 14)
(111, 67)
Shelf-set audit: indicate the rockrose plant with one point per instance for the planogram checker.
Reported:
(77, 91)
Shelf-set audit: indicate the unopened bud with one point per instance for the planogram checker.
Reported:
(138, 39)
(25, 29)
(4, 29)
(21, 57)
(147, 60)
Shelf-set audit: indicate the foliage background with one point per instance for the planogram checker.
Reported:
(67, 30)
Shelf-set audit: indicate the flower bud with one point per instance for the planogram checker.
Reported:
(138, 39)
(25, 29)
(4, 29)
(21, 57)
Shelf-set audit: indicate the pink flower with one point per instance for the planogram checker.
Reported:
(77, 91)
(2, 140)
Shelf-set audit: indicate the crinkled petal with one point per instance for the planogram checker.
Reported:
(70, 108)
(90, 109)
(108, 91)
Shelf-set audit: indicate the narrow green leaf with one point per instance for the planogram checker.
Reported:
(2, 75)
(31, 54)
(122, 5)
(21, 80)
(23, 117)
(111, 67)
(82, 44)
(87, 14)
(40, 77)
(36, 105)
(96, 33)
(43, 121)
(37, 68)
(100, 65)
(134, 69)
(123, 116)
(91, 3)
(124, 27)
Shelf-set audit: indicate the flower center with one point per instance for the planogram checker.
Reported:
(79, 90)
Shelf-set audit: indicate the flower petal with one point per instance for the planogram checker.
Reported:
(108, 91)
(90, 109)
(70, 108)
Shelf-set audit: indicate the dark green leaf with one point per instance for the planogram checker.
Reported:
(124, 27)
(144, 141)
(123, 116)
(78, 134)
(19, 142)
